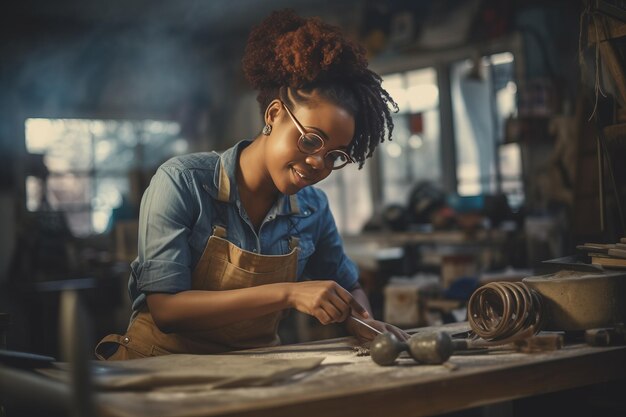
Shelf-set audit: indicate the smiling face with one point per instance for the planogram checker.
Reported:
(289, 168)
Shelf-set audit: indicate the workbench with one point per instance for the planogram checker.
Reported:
(367, 248)
(345, 384)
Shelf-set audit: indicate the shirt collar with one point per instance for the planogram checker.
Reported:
(225, 181)
(228, 160)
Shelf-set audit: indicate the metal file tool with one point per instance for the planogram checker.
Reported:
(362, 323)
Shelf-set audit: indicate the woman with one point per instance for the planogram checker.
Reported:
(228, 242)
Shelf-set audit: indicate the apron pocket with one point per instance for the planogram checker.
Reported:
(109, 348)
(205, 274)
(158, 351)
(234, 278)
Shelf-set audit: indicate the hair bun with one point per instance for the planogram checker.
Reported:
(287, 50)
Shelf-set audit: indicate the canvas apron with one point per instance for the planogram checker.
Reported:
(222, 266)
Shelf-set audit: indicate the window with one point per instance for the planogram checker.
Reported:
(483, 97)
(413, 155)
(85, 165)
(349, 196)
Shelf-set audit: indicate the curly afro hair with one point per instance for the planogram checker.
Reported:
(290, 53)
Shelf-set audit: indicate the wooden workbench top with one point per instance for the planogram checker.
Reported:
(346, 384)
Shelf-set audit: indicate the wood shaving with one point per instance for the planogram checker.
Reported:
(361, 350)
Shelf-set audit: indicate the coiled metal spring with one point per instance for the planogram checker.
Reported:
(505, 311)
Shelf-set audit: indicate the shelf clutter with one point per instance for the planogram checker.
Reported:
(608, 255)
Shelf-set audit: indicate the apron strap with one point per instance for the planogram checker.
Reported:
(109, 346)
(223, 193)
(294, 242)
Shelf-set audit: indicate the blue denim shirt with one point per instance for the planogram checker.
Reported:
(180, 208)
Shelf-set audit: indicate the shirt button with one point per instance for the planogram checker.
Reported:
(126, 340)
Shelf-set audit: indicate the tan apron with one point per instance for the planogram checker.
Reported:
(222, 266)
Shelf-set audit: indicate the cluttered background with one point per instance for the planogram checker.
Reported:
(507, 150)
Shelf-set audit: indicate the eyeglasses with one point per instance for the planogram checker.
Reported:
(311, 143)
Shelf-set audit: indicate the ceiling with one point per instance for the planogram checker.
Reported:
(210, 17)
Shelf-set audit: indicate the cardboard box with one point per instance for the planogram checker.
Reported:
(404, 300)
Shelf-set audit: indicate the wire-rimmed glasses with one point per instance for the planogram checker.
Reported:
(311, 143)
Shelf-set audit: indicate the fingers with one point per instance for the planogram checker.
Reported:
(334, 304)
(328, 302)
(323, 317)
(367, 335)
(399, 333)
(378, 325)
(334, 312)
(356, 307)
(343, 301)
(359, 309)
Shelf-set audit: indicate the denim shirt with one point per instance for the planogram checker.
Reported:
(180, 208)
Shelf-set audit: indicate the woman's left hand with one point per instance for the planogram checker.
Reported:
(365, 335)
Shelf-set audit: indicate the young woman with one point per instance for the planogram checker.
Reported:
(228, 242)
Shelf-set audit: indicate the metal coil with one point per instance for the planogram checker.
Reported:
(505, 311)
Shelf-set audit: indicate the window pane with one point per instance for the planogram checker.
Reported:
(473, 126)
(69, 191)
(483, 97)
(349, 197)
(413, 155)
(89, 161)
(111, 193)
(80, 223)
(34, 193)
(422, 90)
(160, 141)
(65, 143)
(511, 168)
(113, 154)
(395, 86)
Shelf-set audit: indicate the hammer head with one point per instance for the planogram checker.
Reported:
(431, 347)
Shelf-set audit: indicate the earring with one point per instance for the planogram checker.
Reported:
(267, 129)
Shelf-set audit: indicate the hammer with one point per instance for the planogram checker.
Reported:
(429, 347)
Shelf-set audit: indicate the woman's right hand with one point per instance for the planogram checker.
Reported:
(327, 301)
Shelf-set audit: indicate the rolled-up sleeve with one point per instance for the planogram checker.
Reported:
(165, 221)
(329, 260)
